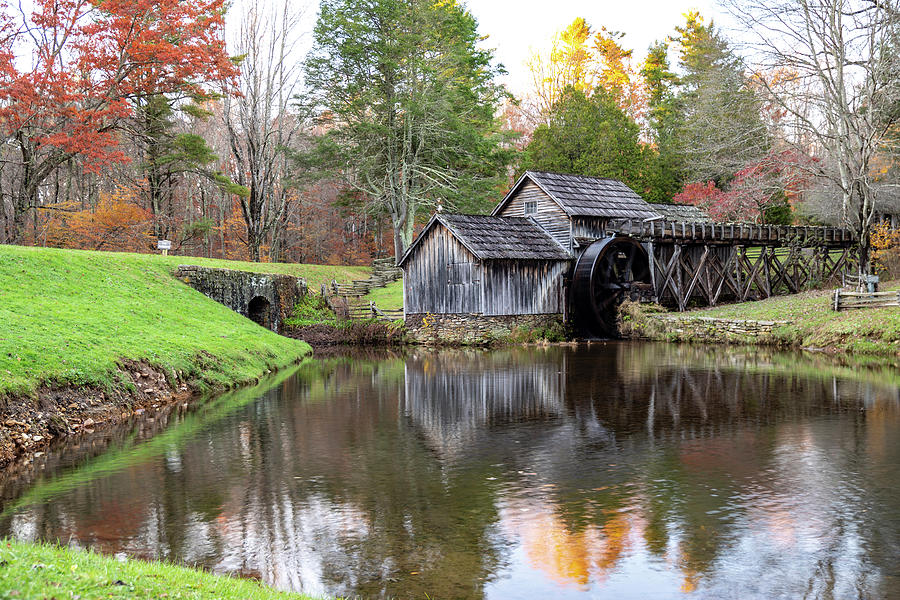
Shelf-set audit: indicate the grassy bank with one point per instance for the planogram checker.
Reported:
(69, 317)
(811, 324)
(389, 297)
(45, 571)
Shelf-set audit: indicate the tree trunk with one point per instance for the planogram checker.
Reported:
(253, 243)
(252, 214)
(410, 224)
(25, 202)
(20, 221)
(863, 228)
(398, 244)
(222, 217)
(27, 194)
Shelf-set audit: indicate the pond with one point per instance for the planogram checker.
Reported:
(617, 470)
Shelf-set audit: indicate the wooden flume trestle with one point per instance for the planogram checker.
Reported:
(708, 263)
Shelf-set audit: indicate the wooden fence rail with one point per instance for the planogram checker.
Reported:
(843, 300)
(364, 311)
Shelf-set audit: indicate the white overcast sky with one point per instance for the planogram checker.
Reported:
(514, 27)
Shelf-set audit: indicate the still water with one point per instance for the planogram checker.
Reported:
(615, 471)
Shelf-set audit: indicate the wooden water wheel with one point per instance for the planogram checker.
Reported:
(607, 273)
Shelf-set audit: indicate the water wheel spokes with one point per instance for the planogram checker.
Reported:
(608, 272)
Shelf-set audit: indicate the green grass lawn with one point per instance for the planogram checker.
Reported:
(815, 325)
(45, 571)
(315, 275)
(68, 316)
(390, 297)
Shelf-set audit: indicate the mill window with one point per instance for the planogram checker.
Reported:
(530, 207)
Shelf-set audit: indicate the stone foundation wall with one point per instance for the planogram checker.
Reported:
(473, 329)
(266, 298)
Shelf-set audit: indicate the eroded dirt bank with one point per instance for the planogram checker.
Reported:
(28, 425)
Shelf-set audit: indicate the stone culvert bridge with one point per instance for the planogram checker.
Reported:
(265, 298)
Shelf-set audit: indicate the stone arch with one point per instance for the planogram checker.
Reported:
(263, 297)
(259, 310)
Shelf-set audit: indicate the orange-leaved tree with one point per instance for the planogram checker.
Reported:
(885, 250)
(71, 71)
(116, 223)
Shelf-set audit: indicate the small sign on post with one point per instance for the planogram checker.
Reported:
(164, 245)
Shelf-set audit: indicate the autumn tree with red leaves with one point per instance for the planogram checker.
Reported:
(761, 192)
(72, 70)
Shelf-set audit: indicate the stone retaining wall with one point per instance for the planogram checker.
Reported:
(709, 329)
(473, 329)
(266, 298)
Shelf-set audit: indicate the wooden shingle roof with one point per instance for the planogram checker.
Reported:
(681, 212)
(583, 196)
(490, 237)
(503, 237)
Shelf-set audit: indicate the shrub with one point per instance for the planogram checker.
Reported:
(886, 250)
(632, 322)
(312, 310)
(553, 333)
(316, 323)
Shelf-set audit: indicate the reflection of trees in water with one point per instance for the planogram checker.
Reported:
(685, 428)
(357, 473)
(740, 445)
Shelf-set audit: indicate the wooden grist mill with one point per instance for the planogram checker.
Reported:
(576, 247)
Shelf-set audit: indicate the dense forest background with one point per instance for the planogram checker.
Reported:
(130, 121)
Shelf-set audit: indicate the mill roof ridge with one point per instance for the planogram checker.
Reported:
(565, 175)
(586, 195)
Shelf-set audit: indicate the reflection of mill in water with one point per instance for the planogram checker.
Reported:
(455, 396)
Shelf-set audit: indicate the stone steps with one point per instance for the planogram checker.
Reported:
(384, 271)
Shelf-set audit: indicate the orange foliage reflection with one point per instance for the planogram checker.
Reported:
(570, 557)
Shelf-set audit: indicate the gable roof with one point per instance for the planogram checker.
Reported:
(490, 237)
(583, 196)
(681, 212)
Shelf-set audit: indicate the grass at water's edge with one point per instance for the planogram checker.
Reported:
(68, 318)
(811, 324)
(49, 571)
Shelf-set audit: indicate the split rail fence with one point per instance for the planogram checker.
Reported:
(843, 300)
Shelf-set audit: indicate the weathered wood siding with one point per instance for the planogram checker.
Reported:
(589, 227)
(549, 214)
(436, 278)
(516, 287)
